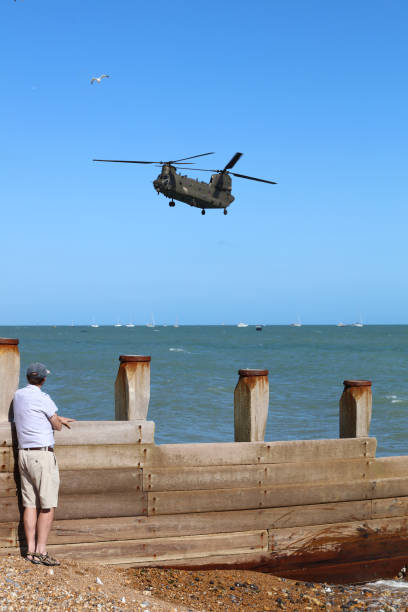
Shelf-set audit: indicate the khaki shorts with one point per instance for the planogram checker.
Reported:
(39, 478)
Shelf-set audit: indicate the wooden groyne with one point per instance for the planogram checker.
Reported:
(309, 509)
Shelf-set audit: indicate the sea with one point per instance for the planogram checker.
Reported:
(194, 370)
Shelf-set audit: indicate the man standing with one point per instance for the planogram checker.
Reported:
(35, 417)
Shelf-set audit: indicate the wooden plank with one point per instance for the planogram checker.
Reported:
(243, 476)
(388, 467)
(140, 527)
(390, 487)
(101, 505)
(388, 507)
(83, 457)
(8, 486)
(9, 509)
(5, 459)
(92, 432)
(7, 535)
(106, 432)
(161, 549)
(338, 542)
(252, 453)
(177, 502)
(97, 505)
(112, 481)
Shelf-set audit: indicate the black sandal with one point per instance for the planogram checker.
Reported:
(46, 559)
(33, 559)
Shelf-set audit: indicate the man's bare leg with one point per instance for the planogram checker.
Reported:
(30, 522)
(44, 523)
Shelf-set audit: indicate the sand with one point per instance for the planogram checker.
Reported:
(76, 586)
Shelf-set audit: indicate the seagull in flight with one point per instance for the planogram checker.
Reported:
(99, 79)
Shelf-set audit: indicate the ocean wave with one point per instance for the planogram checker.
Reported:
(178, 350)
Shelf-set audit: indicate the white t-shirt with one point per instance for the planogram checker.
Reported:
(32, 410)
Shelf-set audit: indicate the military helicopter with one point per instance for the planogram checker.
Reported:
(215, 194)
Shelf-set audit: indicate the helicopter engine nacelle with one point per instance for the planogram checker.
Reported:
(221, 181)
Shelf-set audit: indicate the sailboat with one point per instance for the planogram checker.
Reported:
(152, 323)
(359, 323)
(297, 323)
(93, 324)
(176, 323)
(242, 324)
(118, 324)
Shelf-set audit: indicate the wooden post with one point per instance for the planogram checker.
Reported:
(9, 374)
(355, 409)
(251, 399)
(132, 388)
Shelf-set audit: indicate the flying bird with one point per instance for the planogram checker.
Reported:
(99, 79)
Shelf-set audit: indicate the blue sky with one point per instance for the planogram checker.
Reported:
(313, 93)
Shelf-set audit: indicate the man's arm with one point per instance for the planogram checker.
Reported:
(58, 421)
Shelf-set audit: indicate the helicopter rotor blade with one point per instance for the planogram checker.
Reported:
(194, 169)
(252, 178)
(192, 157)
(125, 161)
(232, 161)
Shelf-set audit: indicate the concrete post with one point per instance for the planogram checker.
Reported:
(132, 388)
(251, 399)
(9, 374)
(355, 409)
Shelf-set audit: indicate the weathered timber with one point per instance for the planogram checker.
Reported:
(88, 482)
(177, 502)
(355, 409)
(252, 453)
(102, 457)
(166, 549)
(242, 476)
(97, 505)
(388, 507)
(132, 388)
(9, 375)
(8, 486)
(72, 531)
(6, 461)
(251, 399)
(390, 487)
(388, 467)
(7, 535)
(338, 542)
(101, 505)
(97, 456)
(93, 432)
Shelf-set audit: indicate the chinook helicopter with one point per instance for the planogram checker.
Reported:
(215, 194)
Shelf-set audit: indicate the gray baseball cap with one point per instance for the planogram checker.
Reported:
(37, 369)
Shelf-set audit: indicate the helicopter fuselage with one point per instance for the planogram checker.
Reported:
(215, 194)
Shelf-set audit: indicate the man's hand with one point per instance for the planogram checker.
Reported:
(58, 421)
(66, 421)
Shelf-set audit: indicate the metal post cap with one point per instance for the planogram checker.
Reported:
(134, 358)
(10, 341)
(357, 383)
(249, 372)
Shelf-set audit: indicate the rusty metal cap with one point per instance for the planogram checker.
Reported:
(11, 341)
(134, 358)
(357, 383)
(253, 372)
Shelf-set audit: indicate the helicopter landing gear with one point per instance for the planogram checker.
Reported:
(225, 211)
(203, 212)
(172, 203)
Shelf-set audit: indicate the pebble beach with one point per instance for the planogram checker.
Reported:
(82, 586)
